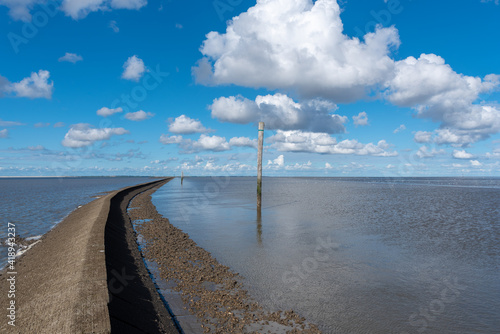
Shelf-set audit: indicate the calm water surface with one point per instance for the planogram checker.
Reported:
(365, 255)
(35, 205)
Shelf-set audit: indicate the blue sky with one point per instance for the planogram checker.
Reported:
(347, 88)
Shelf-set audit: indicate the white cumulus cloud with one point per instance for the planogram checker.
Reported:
(133, 68)
(80, 135)
(435, 91)
(422, 136)
(166, 139)
(279, 111)
(79, 9)
(402, 127)
(20, 9)
(297, 45)
(138, 116)
(462, 154)
(206, 143)
(185, 125)
(277, 163)
(35, 86)
(71, 57)
(243, 142)
(425, 152)
(105, 112)
(323, 143)
(361, 119)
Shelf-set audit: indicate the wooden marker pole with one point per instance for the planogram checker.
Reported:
(259, 164)
(182, 177)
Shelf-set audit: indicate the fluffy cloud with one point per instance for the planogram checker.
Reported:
(279, 112)
(138, 116)
(453, 137)
(210, 166)
(71, 57)
(462, 154)
(297, 166)
(166, 139)
(128, 4)
(80, 135)
(494, 154)
(243, 142)
(435, 91)
(361, 119)
(133, 68)
(279, 162)
(425, 152)
(20, 9)
(298, 141)
(207, 143)
(186, 125)
(35, 86)
(36, 148)
(79, 9)
(423, 137)
(4, 133)
(105, 112)
(317, 59)
(402, 127)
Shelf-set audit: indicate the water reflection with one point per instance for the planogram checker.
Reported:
(402, 242)
(259, 224)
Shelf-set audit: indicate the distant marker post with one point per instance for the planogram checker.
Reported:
(259, 164)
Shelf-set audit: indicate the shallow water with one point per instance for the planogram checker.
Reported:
(355, 255)
(35, 205)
